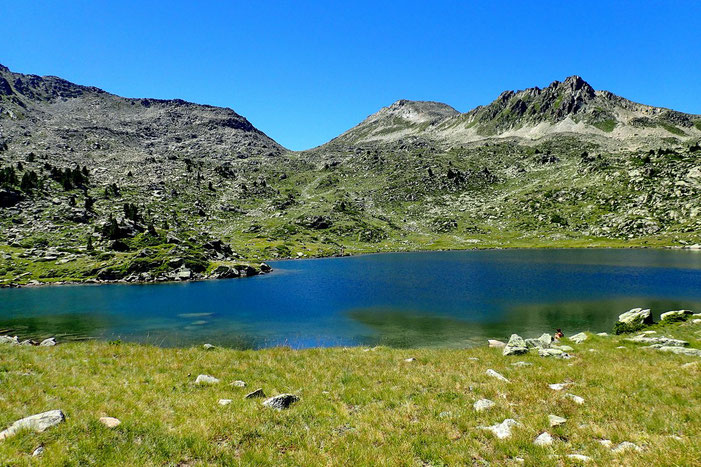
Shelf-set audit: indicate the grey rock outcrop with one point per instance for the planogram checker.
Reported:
(37, 423)
(515, 346)
(282, 401)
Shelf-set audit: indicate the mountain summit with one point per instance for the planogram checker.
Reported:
(568, 107)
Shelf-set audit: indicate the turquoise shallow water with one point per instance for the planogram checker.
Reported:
(448, 299)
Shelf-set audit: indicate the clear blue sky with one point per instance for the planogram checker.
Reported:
(303, 72)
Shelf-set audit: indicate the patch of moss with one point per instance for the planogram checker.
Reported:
(606, 125)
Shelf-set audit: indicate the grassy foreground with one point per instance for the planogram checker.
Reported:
(358, 406)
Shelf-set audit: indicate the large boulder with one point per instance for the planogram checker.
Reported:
(674, 316)
(37, 423)
(543, 342)
(515, 346)
(633, 320)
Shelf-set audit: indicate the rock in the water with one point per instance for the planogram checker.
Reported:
(558, 386)
(681, 351)
(282, 401)
(633, 320)
(225, 401)
(483, 404)
(257, 393)
(496, 375)
(495, 343)
(576, 399)
(208, 347)
(48, 342)
(37, 423)
(110, 422)
(579, 338)
(664, 341)
(515, 346)
(502, 430)
(555, 420)
(543, 439)
(677, 315)
(627, 445)
(557, 353)
(206, 379)
(239, 384)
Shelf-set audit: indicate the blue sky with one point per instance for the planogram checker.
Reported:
(303, 72)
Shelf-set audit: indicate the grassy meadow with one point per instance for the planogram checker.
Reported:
(358, 406)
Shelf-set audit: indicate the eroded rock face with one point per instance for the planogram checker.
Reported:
(37, 423)
(282, 401)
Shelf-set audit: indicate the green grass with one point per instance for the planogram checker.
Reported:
(358, 406)
(697, 124)
(606, 125)
(672, 129)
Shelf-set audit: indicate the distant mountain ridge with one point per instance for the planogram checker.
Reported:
(570, 107)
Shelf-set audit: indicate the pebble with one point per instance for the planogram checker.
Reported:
(225, 401)
(410, 359)
(626, 445)
(575, 399)
(555, 420)
(502, 430)
(257, 393)
(579, 457)
(110, 422)
(543, 439)
(496, 375)
(206, 379)
(558, 386)
(282, 401)
(483, 404)
(239, 384)
(522, 364)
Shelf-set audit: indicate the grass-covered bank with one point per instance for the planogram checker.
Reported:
(357, 406)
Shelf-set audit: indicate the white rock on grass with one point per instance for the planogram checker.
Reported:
(50, 342)
(557, 353)
(483, 404)
(502, 430)
(625, 446)
(576, 399)
(224, 401)
(37, 423)
(239, 384)
(558, 386)
(555, 420)
(607, 443)
(579, 338)
(681, 351)
(515, 346)
(110, 422)
(496, 343)
(543, 439)
(9, 340)
(496, 375)
(579, 457)
(38, 451)
(206, 379)
(410, 359)
(208, 347)
(602, 334)
(677, 315)
(521, 364)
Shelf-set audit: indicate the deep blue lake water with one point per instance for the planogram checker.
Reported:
(449, 299)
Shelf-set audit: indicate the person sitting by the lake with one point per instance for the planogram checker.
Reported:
(559, 335)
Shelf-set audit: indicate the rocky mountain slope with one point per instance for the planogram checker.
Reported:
(98, 187)
(571, 107)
